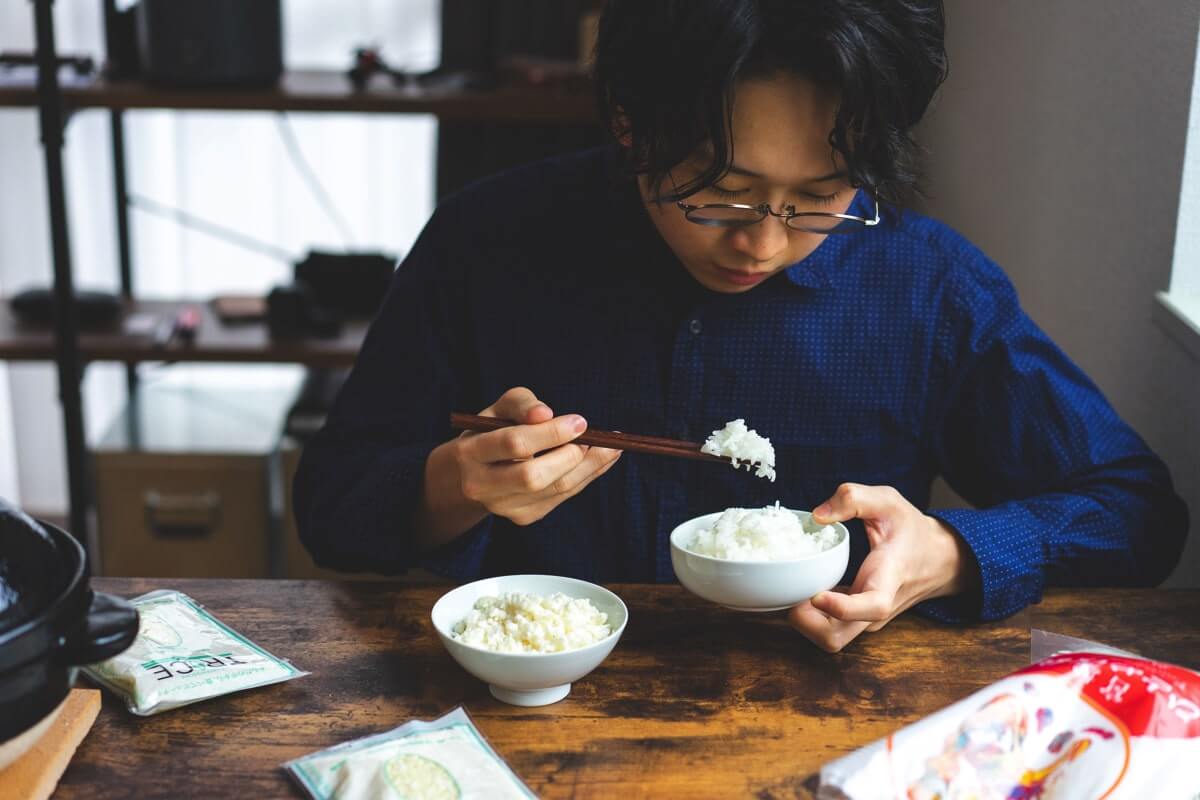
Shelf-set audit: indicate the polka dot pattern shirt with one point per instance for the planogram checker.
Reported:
(886, 357)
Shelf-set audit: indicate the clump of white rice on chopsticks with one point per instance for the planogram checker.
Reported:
(742, 445)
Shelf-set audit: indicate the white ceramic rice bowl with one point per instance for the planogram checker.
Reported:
(527, 679)
(756, 585)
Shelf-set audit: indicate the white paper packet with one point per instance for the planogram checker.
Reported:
(182, 655)
(443, 758)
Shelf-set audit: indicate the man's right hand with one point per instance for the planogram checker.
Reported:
(522, 472)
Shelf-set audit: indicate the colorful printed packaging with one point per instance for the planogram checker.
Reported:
(445, 759)
(183, 655)
(1073, 725)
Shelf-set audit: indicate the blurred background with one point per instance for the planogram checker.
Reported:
(1059, 145)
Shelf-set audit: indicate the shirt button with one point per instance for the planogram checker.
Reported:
(695, 327)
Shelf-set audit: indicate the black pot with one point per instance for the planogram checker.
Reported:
(51, 622)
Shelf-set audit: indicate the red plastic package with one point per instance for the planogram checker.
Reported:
(1071, 726)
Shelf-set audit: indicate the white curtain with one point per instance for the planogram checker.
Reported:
(232, 169)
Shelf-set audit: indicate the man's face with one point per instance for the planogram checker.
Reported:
(782, 157)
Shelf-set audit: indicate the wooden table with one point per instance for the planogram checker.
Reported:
(694, 701)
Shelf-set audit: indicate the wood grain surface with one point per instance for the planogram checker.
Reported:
(694, 701)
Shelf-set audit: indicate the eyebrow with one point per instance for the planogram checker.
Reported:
(749, 173)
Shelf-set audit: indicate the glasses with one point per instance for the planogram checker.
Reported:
(738, 215)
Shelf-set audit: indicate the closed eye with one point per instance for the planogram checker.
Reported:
(727, 194)
(821, 199)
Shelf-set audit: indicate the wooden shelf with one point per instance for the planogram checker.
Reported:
(215, 341)
(316, 90)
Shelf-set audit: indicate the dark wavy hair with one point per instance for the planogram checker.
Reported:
(666, 71)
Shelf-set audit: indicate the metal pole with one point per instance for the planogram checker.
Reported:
(66, 316)
(121, 199)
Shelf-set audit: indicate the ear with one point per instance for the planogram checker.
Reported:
(621, 129)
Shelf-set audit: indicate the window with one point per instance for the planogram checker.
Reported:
(1178, 308)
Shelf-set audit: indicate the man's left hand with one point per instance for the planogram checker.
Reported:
(913, 557)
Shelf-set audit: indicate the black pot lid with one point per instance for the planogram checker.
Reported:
(33, 571)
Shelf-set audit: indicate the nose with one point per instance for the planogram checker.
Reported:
(763, 241)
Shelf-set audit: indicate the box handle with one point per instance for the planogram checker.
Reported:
(182, 516)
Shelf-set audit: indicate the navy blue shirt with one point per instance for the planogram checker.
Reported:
(886, 357)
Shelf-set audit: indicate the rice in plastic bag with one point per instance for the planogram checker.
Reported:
(444, 759)
(1073, 725)
(182, 655)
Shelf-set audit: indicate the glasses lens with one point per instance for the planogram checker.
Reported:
(724, 216)
(818, 223)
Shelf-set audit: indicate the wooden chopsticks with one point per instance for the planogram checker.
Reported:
(655, 445)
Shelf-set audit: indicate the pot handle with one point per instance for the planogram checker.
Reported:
(111, 626)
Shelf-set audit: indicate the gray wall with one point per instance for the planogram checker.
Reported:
(1057, 146)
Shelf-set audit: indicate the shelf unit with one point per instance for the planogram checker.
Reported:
(57, 96)
(215, 340)
(321, 90)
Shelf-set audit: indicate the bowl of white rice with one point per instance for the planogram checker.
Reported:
(759, 559)
(528, 637)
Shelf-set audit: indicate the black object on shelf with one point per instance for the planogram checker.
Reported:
(80, 65)
(97, 310)
(197, 43)
(352, 284)
(120, 41)
(479, 37)
(328, 288)
(292, 312)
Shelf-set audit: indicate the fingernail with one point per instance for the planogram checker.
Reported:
(817, 598)
(822, 510)
(579, 423)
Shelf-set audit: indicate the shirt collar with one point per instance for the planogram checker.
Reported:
(814, 270)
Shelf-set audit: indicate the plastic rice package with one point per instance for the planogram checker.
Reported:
(1097, 723)
(182, 655)
(444, 759)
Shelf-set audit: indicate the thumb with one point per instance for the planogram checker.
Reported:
(856, 501)
(519, 405)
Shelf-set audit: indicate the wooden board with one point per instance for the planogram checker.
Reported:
(34, 775)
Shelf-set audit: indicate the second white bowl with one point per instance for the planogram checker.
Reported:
(527, 679)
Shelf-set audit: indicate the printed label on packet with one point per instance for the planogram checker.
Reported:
(445, 759)
(183, 655)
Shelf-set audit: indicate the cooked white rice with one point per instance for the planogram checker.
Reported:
(767, 534)
(740, 444)
(521, 622)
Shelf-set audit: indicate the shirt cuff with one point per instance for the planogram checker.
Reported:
(462, 558)
(1007, 547)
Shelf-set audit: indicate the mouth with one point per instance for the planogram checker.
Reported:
(740, 278)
